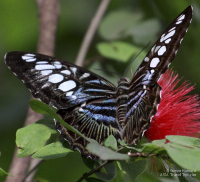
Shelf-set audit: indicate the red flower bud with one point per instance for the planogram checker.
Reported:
(178, 112)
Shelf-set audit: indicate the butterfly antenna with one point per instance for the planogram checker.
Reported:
(136, 57)
(109, 72)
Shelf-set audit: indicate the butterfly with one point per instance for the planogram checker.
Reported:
(92, 104)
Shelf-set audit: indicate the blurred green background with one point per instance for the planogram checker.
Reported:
(19, 31)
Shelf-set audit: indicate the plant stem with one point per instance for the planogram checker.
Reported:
(90, 32)
(85, 175)
(48, 17)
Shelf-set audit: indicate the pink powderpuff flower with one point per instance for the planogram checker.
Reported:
(178, 112)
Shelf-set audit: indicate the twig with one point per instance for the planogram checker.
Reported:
(48, 19)
(49, 12)
(48, 15)
(90, 32)
(19, 166)
(32, 170)
(85, 175)
(139, 154)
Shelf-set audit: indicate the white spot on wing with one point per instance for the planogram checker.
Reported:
(172, 29)
(31, 60)
(146, 59)
(165, 37)
(152, 71)
(44, 67)
(170, 34)
(69, 93)
(81, 109)
(55, 78)
(162, 50)
(42, 62)
(156, 49)
(180, 18)
(28, 57)
(73, 97)
(162, 36)
(73, 69)
(30, 54)
(154, 62)
(153, 48)
(46, 72)
(57, 64)
(144, 87)
(5, 56)
(67, 85)
(85, 75)
(83, 105)
(66, 72)
(178, 22)
(168, 41)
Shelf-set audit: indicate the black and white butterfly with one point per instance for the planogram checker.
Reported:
(93, 105)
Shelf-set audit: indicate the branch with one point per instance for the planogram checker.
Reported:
(48, 16)
(90, 32)
(85, 175)
(135, 155)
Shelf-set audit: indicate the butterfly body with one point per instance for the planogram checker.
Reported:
(92, 104)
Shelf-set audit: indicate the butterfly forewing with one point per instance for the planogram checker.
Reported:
(57, 82)
(144, 95)
(164, 50)
(93, 105)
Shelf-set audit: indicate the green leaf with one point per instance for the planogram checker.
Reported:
(41, 180)
(165, 164)
(117, 50)
(186, 157)
(123, 143)
(140, 34)
(42, 108)
(184, 175)
(184, 140)
(110, 174)
(91, 179)
(105, 153)
(51, 151)
(133, 169)
(159, 143)
(49, 123)
(156, 146)
(4, 174)
(111, 142)
(115, 24)
(31, 138)
(134, 148)
(184, 151)
(88, 162)
(37, 105)
(148, 147)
